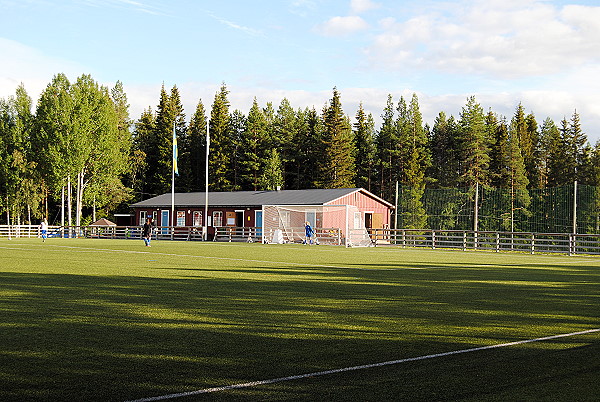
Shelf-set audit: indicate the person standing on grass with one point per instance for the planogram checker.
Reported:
(44, 229)
(309, 233)
(147, 232)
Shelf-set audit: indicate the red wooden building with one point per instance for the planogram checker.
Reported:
(244, 208)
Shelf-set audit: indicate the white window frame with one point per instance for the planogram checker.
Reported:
(217, 218)
(179, 215)
(197, 218)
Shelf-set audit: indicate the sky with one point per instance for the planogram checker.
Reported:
(544, 54)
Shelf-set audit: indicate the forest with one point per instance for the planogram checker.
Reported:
(79, 147)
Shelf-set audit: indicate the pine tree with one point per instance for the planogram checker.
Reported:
(525, 128)
(220, 143)
(444, 169)
(181, 131)
(197, 131)
(364, 144)
(580, 149)
(144, 145)
(550, 149)
(585, 169)
(403, 138)
(562, 162)
(254, 144)
(308, 150)
(337, 169)
(595, 173)
(387, 151)
(159, 148)
(285, 129)
(519, 195)
(169, 114)
(238, 125)
(531, 153)
(499, 153)
(517, 151)
(473, 145)
(272, 175)
(415, 161)
(507, 171)
(269, 113)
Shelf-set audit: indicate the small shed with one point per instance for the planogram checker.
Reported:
(103, 222)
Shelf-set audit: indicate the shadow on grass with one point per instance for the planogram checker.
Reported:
(75, 337)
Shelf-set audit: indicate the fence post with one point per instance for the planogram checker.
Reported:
(476, 215)
(573, 241)
(433, 239)
(533, 243)
(497, 242)
(575, 207)
(464, 241)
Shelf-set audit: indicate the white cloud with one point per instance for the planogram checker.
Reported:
(517, 39)
(361, 6)
(302, 7)
(341, 26)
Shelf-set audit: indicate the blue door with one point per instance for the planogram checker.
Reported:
(164, 221)
(258, 222)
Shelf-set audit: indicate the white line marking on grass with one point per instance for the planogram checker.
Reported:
(354, 368)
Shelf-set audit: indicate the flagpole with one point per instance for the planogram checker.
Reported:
(205, 234)
(172, 201)
(173, 181)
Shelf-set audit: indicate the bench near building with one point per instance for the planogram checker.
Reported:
(325, 209)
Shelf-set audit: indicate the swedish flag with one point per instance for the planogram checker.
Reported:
(175, 151)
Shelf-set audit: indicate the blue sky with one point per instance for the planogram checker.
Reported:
(544, 54)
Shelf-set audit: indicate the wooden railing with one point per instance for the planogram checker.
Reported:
(435, 239)
(565, 243)
(103, 232)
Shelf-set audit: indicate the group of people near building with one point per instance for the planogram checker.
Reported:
(146, 231)
(310, 237)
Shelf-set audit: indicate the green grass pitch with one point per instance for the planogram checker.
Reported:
(112, 320)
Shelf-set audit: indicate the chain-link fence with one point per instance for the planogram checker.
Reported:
(549, 210)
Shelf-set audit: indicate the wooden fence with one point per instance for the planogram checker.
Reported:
(564, 243)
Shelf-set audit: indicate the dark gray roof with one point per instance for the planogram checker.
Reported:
(253, 198)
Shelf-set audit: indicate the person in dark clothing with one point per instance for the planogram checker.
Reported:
(147, 232)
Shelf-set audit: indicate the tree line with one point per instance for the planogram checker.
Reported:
(79, 148)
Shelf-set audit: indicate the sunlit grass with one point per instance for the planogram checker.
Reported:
(113, 320)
